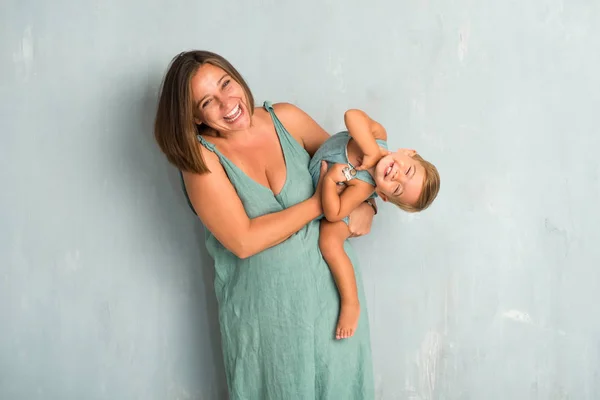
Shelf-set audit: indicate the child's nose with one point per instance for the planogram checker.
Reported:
(402, 177)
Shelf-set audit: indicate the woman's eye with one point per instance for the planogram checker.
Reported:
(226, 83)
(206, 103)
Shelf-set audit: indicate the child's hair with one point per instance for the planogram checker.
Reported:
(431, 187)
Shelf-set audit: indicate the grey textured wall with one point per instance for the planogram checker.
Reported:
(106, 289)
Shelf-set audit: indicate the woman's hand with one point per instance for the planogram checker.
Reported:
(361, 219)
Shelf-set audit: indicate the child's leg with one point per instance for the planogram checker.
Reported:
(331, 243)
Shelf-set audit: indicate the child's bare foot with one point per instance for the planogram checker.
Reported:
(348, 320)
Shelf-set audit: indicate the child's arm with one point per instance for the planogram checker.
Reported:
(338, 206)
(364, 131)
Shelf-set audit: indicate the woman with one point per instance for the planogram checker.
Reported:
(246, 175)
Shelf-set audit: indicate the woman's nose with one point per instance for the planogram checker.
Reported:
(226, 103)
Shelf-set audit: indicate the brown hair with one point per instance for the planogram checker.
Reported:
(431, 187)
(174, 127)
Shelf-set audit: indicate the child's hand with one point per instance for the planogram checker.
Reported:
(370, 160)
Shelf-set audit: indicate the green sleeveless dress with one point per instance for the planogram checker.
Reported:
(278, 309)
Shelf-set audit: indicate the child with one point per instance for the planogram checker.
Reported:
(362, 169)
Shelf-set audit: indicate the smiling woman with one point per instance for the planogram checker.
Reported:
(246, 176)
(219, 101)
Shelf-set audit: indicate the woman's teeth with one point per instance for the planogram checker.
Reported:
(233, 114)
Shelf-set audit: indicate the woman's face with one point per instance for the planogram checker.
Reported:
(219, 101)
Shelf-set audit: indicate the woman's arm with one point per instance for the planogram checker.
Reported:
(301, 126)
(220, 209)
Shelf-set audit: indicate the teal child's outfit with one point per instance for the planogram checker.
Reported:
(278, 309)
(335, 151)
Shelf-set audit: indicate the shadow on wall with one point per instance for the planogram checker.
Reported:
(169, 212)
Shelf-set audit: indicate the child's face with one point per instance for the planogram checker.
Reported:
(399, 177)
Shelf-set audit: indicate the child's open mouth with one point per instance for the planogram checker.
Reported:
(388, 170)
